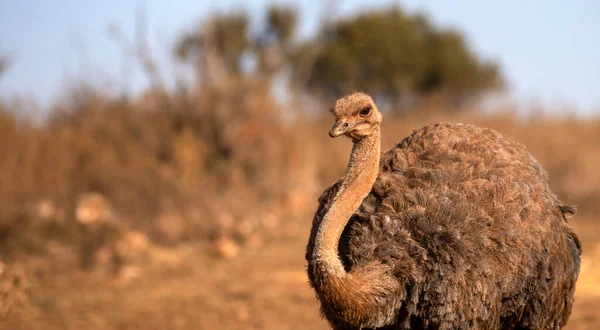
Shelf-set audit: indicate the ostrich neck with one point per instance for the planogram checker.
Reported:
(362, 171)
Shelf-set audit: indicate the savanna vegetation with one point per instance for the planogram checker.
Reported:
(189, 207)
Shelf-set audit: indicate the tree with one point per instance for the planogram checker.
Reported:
(397, 57)
(226, 39)
(219, 43)
(394, 55)
(275, 43)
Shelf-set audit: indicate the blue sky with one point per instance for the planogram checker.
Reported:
(549, 50)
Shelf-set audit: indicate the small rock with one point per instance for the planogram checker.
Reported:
(45, 209)
(132, 243)
(226, 247)
(129, 273)
(93, 208)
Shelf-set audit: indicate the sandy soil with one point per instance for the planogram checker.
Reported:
(189, 288)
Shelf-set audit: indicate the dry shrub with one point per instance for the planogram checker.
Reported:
(172, 165)
(15, 291)
(168, 168)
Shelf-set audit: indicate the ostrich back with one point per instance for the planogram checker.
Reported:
(465, 220)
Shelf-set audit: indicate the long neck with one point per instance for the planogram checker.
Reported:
(363, 169)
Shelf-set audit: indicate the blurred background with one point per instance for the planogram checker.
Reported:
(160, 162)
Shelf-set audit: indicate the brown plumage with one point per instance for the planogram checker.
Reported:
(453, 228)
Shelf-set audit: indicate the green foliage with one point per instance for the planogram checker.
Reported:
(275, 43)
(390, 53)
(452, 67)
(281, 22)
(227, 35)
(228, 38)
(231, 38)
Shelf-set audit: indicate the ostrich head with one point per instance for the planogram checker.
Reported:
(356, 117)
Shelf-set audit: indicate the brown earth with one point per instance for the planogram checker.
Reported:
(189, 287)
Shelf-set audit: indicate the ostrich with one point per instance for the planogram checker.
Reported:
(453, 228)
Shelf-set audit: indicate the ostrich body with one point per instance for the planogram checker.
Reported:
(453, 228)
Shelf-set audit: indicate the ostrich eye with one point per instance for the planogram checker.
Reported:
(365, 112)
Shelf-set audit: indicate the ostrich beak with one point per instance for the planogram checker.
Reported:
(339, 128)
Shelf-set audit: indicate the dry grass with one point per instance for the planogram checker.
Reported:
(209, 196)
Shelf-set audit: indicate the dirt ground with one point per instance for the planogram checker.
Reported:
(188, 287)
